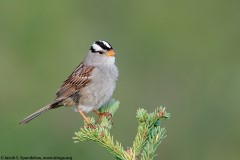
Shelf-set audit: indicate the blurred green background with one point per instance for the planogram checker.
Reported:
(181, 54)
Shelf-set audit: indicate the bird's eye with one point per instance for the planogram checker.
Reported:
(100, 52)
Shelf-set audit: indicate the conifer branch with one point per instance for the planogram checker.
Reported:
(145, 144)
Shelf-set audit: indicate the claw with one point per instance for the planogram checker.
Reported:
(91, 126)
(101, 114)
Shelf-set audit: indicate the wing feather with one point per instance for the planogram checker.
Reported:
(80, 78)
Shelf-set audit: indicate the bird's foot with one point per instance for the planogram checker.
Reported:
(101, 114)
(106, 114)
(91, 126)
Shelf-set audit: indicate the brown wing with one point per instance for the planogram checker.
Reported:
(77, 80)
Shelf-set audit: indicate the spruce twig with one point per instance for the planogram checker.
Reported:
(145, 144)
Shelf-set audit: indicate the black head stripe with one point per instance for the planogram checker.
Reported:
(92, 50)
(104, 45)
(100, 47)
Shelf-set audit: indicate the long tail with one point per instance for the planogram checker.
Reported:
(36, 114)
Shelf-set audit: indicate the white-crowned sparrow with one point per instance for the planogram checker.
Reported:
(91, 84)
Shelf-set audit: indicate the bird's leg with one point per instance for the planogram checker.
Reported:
(101, 114)
(86, 119)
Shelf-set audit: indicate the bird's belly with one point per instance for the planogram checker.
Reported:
(100, 90)
(94, 96)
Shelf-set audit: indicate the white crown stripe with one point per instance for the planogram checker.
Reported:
(106, 44)
(97, 47)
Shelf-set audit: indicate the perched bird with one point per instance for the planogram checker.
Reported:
(90, 86)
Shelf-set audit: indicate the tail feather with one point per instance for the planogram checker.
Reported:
(36, 114)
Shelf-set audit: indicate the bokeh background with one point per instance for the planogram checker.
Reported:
(184, 55)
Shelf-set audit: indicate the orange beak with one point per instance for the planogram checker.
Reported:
(110, 53)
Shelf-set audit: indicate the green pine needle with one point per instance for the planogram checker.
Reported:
(147, 139)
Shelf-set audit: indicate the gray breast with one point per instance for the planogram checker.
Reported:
(101, 88)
